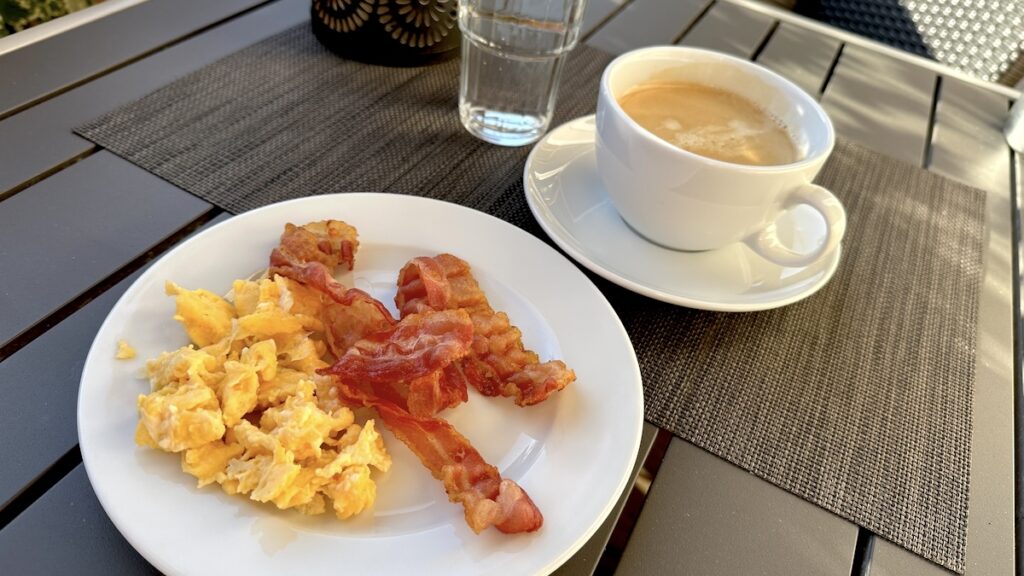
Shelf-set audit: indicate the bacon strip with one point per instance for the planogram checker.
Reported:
(427, 395)
(349, 315)
(329, 242)
(433, 393)
(488, 499)
(499, 364)
(407, 364)
(417, 347)
(403, 360)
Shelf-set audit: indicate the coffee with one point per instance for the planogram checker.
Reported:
(711, 122)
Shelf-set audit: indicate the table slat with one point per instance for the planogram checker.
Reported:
(880, 102)
(596, 12)
(802, 56)
(990, 523)
(968, 143)
(647, 22)
(706, 516)
(585, 560)
(888, 559)
(730, 28)
(60, 237)
(67, 532)
(40, 138)
(39, 385)
(58, 61)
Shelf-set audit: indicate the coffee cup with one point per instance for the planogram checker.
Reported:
(687, 201)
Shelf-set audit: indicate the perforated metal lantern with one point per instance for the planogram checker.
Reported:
(390, 32)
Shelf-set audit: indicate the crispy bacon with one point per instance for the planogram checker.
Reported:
(412, 369)
(346, 322)
(422, 286)
(417, 347)
(349, 314)
(499, 364)
(407, 364)
(432, 393)
(329, 242)
(488, 499)
(438, 283)
(427, 395)
(422, 397)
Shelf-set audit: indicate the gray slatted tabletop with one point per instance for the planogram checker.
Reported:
(66, 261)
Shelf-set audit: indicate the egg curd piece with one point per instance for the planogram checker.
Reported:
(299, 352)
(327, 394)
(352, 491)
(262, 356)
(209, 461)
(142, 437)
(286, 382)
(185, 365)
(302, 427)
(368, 449)
(205, 315)
(124, 350)
(265, 310)
(298, 298)
(302, 491)
(267, 322)
(246, 296)
(181, 417)
(238, 391)
(265, 469)
(302, 301)
(264, 477)
(318, 505)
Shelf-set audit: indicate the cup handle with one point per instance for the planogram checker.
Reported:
(766, 242)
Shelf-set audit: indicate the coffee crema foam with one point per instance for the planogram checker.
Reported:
(711, 122)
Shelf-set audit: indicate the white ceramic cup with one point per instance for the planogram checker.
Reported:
(685, 201)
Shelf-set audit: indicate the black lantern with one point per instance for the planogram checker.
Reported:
(389, 32)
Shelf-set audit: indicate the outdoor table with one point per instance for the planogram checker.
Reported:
(78, 225)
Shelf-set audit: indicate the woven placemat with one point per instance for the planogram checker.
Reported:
(857, 399)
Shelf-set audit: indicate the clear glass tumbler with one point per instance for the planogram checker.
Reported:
(512, 57)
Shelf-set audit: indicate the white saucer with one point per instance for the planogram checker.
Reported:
(570, 203)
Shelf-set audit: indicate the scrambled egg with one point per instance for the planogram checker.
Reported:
(124, 350)
(245, 408)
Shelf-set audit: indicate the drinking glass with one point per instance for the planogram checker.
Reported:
(512, 56)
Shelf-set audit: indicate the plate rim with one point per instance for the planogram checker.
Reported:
(94, 355)
(550, 226)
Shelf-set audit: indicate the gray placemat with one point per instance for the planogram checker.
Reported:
(857, 399)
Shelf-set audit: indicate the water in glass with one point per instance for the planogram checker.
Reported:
(512, 56)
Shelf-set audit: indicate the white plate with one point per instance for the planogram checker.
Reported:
(569, 201)
(572, 454)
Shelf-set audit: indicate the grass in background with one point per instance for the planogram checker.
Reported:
(17, 15)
